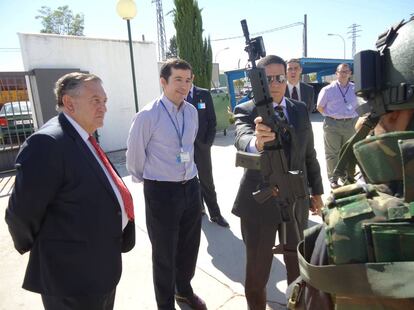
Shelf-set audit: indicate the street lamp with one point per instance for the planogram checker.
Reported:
(343, 40)
(127, 10)
(218, 52)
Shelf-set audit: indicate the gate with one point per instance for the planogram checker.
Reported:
(16, 117)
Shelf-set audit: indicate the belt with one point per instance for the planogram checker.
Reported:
(169, 182)
(340, 119)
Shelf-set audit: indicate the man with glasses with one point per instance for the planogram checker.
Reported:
(296, 89)
(337, 102)
(260, 222)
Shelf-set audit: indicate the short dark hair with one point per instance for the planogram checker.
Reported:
(175, 63)
(294, 60)
(70, 84)
(271, 59)
(344, 64)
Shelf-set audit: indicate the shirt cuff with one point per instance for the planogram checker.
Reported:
(251, 147)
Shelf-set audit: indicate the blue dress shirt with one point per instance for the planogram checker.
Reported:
(153, 143)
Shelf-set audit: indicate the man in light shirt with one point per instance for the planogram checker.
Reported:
(161, 155)
(338, 103)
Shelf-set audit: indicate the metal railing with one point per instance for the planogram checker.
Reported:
(16, 117)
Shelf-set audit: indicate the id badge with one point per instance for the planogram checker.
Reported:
(183, 157)
(201, 105)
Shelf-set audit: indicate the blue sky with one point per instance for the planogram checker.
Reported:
(221, 19)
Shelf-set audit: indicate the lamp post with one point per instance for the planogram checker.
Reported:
(343, 40)
(127, 10)
(218, 52)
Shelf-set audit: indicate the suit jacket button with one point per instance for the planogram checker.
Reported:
(119, 213)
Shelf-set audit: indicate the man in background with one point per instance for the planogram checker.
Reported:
(201, 99)
(296, 89)
(338, 103)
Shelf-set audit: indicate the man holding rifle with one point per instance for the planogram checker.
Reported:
(261, 221)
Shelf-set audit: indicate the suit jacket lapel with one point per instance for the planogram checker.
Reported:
(287, 93)
(292, 115)
(87, 155)
(196, 95)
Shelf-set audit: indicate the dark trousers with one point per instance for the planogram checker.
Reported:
(202, 158)
(259, 238)
(173, 215)
(90, 302)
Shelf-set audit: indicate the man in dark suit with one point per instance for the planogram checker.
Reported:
(260, 222)
(296, 89)
(69, 207)
(201, 99)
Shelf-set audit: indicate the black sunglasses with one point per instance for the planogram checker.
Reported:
(280, 78)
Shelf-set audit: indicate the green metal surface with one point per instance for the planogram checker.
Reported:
(221, 106)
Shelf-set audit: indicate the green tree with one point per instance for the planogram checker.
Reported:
(61, 21)
(239, 84)
(172, 48)
(190, 44)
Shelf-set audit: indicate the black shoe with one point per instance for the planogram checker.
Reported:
(194, 301)
(220, 220)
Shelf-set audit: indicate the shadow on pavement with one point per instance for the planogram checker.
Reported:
(228, 256)
(316, 117)
(225, 140)
(7, 183)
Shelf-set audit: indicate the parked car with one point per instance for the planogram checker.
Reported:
(247, 96)
(219, 90)
(16, 122)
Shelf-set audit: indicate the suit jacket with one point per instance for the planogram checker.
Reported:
(307, 95)
(64, 211)
(304, 159)
(206, 116)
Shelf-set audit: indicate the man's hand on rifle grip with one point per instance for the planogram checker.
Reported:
(263, 134)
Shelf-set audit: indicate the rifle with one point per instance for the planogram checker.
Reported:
(272, 161)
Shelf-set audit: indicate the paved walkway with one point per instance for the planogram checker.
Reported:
(219, 276)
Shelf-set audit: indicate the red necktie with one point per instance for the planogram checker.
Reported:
(295, 93)
(123, 190)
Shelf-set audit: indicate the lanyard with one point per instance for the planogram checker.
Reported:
(180, 137)
(346, 91)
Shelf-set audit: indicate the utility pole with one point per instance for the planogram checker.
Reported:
(162, 38)
(305, 35)
(353, 34)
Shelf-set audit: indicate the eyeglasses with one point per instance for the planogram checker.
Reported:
(280, 78)
(344, 71)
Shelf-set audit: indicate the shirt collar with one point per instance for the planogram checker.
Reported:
(170, 106)
(339, 85)
(292, 85)
(82, 132)
(282, 103)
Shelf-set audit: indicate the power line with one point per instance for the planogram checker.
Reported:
(9, 49)
(262, 32)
